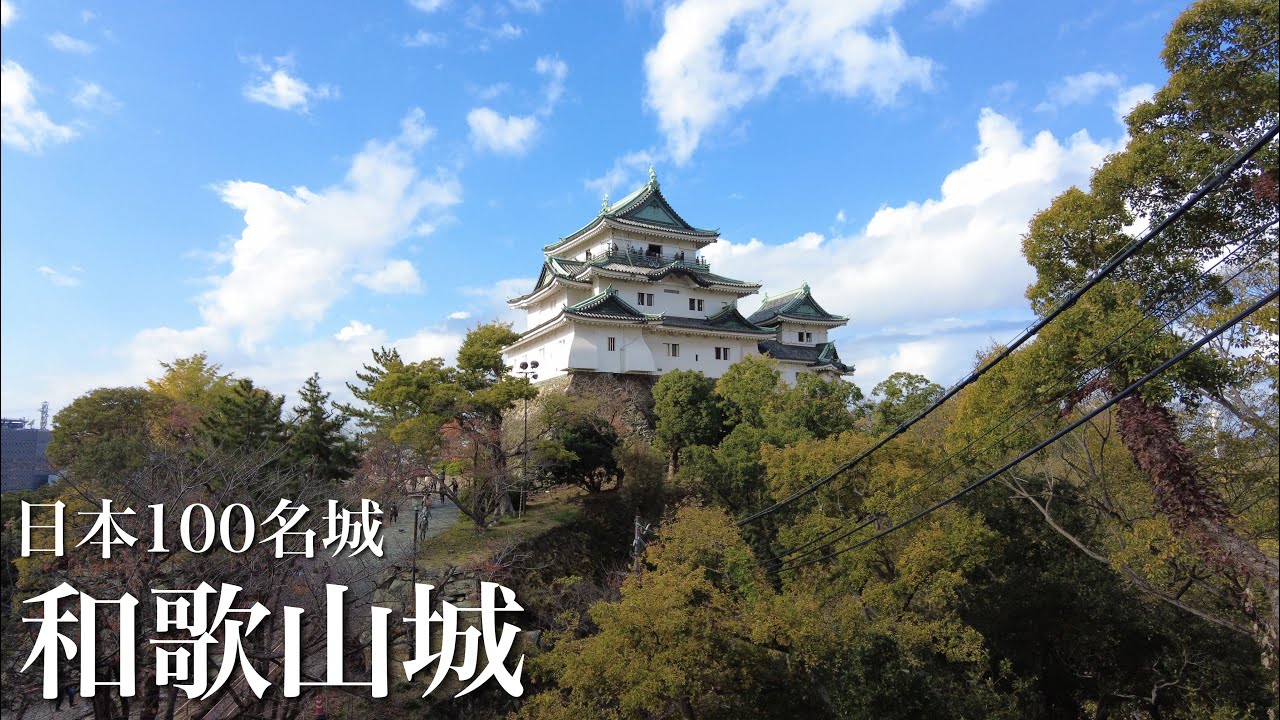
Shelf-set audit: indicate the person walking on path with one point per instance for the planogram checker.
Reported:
(426, 515)
(395, 511)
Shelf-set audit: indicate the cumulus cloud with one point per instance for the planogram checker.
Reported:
(714, 58)
(515, 134)
(301, 249)
(503, 134)
(91, 96)
(8, 13)
(960, 250)
(22, 123)
(63, 42)
(354, 330)
(273, 84)
(427, 6)
(459, 315)
(397, 276)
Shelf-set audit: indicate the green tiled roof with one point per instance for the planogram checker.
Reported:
(811, 355)
(644, 208)
(727, 320)
(657, 268)
(797, 305)
(553, 268)
(607, 306)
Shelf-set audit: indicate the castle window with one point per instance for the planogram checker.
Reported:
(695, 304)
(644, 299)
(673, 349)
(804, 337)
(654, 250)
(613, 344)
(722, 353)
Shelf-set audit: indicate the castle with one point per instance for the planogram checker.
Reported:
(629, 293)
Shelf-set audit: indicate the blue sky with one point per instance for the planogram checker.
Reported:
(287, 185)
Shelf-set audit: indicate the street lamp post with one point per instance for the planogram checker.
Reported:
(417, 508)
(527, 370)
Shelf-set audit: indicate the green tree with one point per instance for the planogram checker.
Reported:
(107, 434)
(582, 453)
(246, 418)
(901, 396)
(686, 414)
(747, 389)
(316, 440)
(1223, 62)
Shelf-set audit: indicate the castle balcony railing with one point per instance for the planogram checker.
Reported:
(640, 257)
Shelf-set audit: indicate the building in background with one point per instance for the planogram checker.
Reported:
(23, 465)
(630, 293)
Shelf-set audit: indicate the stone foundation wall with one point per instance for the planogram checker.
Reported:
(625, 400)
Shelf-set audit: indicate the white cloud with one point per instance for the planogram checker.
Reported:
(59, 279)
(273, 85)
(87, 16)
(529, 6)
(507, 31)
(23, 124)
(460, 315)
(960, 251)
(354, 330)
(397, 276)
(509, 135)
(493, 300)
(91, 96)
(300, 249)
(627, 173)
(1130, 97)
(8, 13)
(840, 216)
(427, 6)
(554, 70)
(959, 10)
(425, 38)
(63, 42)
(714, 58)
(1078, 89)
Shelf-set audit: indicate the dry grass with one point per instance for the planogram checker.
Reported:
(463, 545)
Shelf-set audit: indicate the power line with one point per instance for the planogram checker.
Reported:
(867, 518)
(1132, 388)
(1133, 247)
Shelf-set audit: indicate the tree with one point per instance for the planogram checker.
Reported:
(246, 418)
(582, 453)
(316, 441)
(747, 389)
(814, 408)
(686, 414)
(902, 396)
(419, 417)
(1223, 61)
